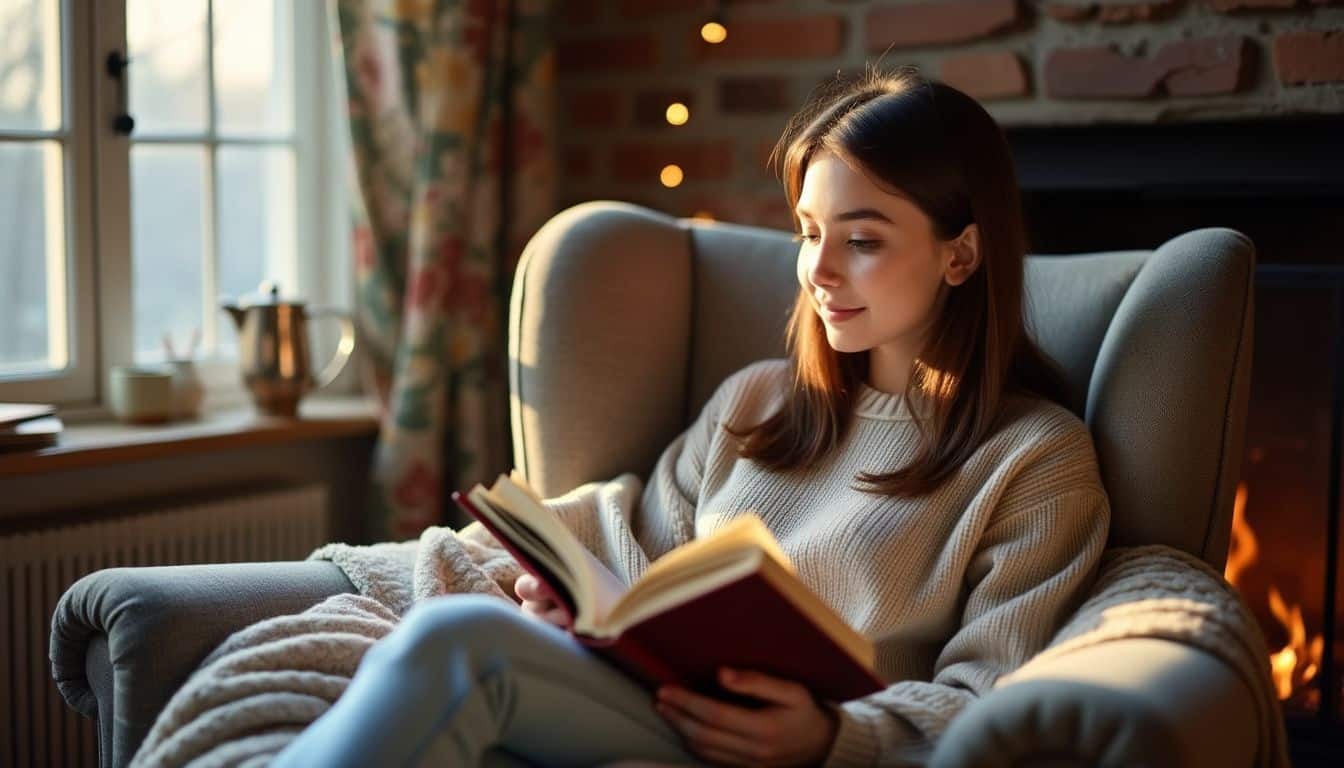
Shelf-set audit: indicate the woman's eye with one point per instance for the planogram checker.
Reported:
(800, 237)
(865, 244)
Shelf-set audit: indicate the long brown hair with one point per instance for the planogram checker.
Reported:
(943, 151)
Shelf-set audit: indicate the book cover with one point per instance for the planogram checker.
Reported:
(747, 623)
(17, 413)
(548, 580)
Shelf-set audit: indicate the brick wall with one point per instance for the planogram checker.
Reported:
(1053, 62)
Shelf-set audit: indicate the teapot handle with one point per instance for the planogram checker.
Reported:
(343, 348)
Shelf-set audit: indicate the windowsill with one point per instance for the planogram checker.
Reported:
(109, 442)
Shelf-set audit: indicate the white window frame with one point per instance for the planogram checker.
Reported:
(98, 221)
(77, 382)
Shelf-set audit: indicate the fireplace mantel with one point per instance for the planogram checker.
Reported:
(1290, 157)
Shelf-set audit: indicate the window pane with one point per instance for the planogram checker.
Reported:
(166, 39)
(256, 223)
(254, 89)
(33, 319)
(167, 233)
(30, 65)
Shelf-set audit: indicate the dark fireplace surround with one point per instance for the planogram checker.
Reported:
(1280, 182)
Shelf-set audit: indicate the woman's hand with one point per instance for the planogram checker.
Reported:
(793, 729)
(538, 603)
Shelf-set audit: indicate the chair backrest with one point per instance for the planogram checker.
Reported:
(623, 320)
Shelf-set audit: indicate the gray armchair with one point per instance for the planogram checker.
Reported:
(1156, 344)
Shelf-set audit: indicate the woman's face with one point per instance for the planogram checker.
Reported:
(867, 249)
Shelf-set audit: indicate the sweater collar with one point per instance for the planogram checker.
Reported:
(876, 404)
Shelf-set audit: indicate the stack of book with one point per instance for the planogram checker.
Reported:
(731, 598)
(28, 426)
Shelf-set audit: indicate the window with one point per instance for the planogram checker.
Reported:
(231, 176)
(46, 323)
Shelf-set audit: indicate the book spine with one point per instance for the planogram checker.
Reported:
(548, 581)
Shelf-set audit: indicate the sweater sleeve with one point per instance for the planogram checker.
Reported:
(627, 525)
(1030, 569)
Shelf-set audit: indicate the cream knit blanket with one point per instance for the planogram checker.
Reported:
(1162, 592)
(266, 682)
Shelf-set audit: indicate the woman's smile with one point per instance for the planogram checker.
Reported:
(840, 316)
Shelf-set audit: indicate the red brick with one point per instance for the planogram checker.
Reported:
(791, 37)
(772, 212)
(986, 75)
(640, 9)
(1069, 11)
(1312, 56)
(643, 160)
(1206, 66)
(1112, 11)
(1124, 13)
(1226, 6)
(775, 213)
(764, 93)
(838, 77)
(937, 21)
(596, 108)
(578, 162)
(1096, 72)
(761, 160)
(614, 53)
(651, 106)
(1200, 66)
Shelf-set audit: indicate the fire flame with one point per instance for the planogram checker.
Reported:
(1295, 664)
(1292, 669)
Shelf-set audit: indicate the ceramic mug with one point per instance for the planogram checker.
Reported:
(141, 394)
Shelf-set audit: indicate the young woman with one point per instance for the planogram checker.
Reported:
(912, 455)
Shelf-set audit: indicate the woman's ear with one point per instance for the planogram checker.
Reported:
(962, 255)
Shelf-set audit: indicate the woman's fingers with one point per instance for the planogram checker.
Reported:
(547, 611)
(721, 715)
(712, 740)
(528, 587)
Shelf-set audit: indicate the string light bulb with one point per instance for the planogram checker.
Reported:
(713, 32)
(678, 113)
(671, 176)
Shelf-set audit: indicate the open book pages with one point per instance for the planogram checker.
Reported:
(605, 607)
(589, 586)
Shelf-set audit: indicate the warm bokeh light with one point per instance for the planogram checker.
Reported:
(714, 32)
(678, 113)
(671, 175)
(702, 216)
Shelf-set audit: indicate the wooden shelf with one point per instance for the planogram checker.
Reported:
(86, 445)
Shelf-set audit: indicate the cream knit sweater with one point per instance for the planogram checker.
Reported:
(954, 589)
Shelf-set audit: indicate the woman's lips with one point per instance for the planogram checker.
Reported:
(840, 316)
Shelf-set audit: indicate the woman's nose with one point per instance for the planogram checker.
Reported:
(824, 266)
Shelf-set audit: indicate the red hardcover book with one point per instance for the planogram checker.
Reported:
(729, 599)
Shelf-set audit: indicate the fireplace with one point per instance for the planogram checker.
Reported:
(1280, 182)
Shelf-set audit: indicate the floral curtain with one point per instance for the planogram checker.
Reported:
(451, 117)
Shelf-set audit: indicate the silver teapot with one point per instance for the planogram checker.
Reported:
(273, 348)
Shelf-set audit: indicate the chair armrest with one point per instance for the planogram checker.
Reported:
(123, 640)
(1139, 701)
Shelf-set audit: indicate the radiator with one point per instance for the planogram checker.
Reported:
(37, 728)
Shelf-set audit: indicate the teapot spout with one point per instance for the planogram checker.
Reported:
(235, 312)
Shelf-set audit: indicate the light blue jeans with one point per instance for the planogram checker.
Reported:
(469, 680)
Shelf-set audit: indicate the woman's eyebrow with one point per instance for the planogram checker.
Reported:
(854, 215)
